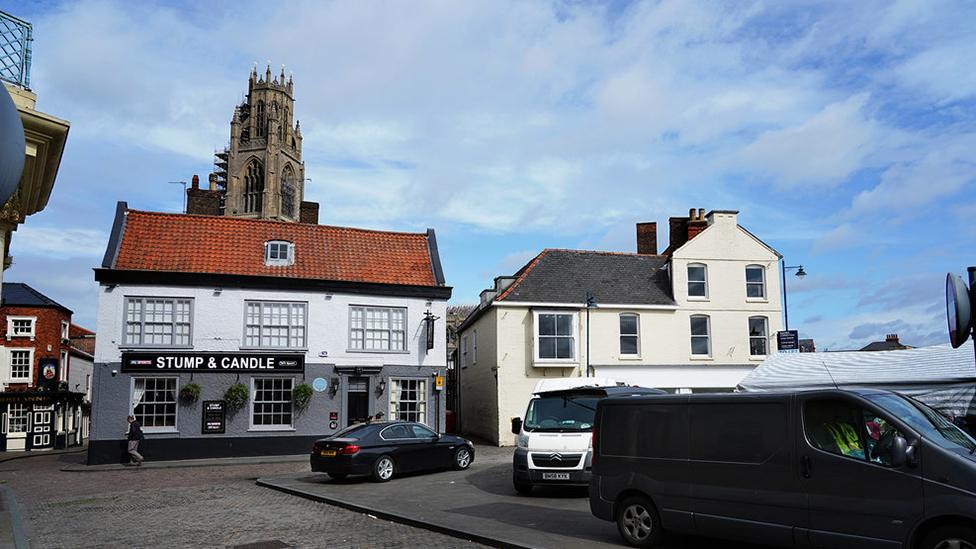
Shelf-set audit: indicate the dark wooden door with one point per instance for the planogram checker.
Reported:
(357, 400)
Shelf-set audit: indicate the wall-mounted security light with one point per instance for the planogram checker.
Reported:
(333, 386)
(381, 387)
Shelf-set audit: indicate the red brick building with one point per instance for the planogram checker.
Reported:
(39, 409)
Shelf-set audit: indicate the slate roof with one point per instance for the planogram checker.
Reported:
(18, 294)
(885, 346)
(181, 243)
(564, 276)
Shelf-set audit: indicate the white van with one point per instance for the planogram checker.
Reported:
(554, 443)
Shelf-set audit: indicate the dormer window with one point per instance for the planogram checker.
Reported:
(279, 253)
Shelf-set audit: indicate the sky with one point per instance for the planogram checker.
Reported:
(843, 132)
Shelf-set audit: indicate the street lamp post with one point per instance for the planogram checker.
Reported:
(590, 303)
(800, 273)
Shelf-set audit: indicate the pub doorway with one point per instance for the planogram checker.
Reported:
(357, 400)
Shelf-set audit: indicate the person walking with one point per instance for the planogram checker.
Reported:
(135, 437)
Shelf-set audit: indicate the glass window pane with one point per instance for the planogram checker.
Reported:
(754, 290)
(547, 347)
(699, 345)
(628, 324)
(699, 325)
(628, 345)
(754, 274)
(696, 273)
(757, 326)
(564, 324)
(564, 347)
(696, 289)
(547, 324)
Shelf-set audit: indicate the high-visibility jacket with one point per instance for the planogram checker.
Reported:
(846, 439)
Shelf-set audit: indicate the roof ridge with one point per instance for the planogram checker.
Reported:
(524, 272)
(285, 223)
(604, 252)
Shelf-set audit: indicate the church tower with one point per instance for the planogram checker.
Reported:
(262, 171)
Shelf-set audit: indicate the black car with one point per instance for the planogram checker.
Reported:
(384, 449)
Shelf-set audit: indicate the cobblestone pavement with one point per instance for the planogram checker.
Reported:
(188, 507)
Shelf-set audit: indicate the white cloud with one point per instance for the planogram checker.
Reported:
(40, 241)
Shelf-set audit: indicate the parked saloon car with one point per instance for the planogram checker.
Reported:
(385, 449)
(849, 469)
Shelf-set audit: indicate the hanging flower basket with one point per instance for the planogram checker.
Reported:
(302, 395)
(190, 393)
(236, 396)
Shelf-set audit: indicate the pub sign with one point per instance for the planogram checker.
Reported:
(234, 363)
(214, 417)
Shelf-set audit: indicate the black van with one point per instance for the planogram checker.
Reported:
(860, 468)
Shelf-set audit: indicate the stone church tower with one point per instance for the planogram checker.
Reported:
(261, 174)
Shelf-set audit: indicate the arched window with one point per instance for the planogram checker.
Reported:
(253, 186)
(697, 281)
(755, 282)
(261, 121)
(701, 338)
(288, 192)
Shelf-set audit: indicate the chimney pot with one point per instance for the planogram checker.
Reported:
(691, 214)
(213, 182)
(701, 214)
(892, 337)
(196, 181)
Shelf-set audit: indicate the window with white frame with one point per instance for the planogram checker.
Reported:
(63, 371)
(271, 403)
(701, 341)
(408, 399)
(697, 280)
(474, 347)
(153, 402)
(158, 322)
(629, 334)
(275, 324)
(555, 335)
(377, 328)
(755, 282)
(279, 253)
(21, 326)
(757, 336)
(64, 330)
(464, 352)
(17, 418)
(21, 361)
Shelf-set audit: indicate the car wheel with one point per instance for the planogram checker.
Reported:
(338, 476)
(383, 469)
(638, 522)
(950, 537)
(523, 488)
(462, 458)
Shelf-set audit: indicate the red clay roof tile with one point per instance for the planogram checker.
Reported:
(166, 242)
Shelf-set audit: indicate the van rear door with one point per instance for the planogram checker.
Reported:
(856, 498)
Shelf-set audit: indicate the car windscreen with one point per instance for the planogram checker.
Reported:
(353, 431)
(561, 414)
(927, 421)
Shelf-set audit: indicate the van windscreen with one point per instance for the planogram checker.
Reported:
(561, 414)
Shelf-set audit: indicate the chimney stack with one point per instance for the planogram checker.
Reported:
(696, 222)
(196, 181)
(647, 238)
(892, 338)
(213, 182)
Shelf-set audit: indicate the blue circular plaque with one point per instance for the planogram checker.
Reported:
(319, 384)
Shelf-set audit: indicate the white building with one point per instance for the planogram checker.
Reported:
(699, 317)
(355, 314)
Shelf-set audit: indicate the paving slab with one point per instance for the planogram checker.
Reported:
(479, 504)
(206, 462)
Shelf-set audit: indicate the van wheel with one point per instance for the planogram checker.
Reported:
(950, 537)
(522, 488)
(638, 522)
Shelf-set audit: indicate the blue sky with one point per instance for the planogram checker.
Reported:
(843, 132)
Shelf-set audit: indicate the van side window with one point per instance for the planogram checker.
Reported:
(844, 428)
(741, 432)
(658, 431)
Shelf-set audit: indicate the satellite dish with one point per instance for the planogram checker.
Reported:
(958, 310)
(11, 147)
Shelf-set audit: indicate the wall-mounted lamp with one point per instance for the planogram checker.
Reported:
(333, 386)
(217, 291)
(381, 387)
(328, 297)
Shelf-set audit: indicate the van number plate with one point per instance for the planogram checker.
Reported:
(555, 476)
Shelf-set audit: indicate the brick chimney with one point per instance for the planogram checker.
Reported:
(683, 229)
(892, 338)
(647, 238)
(696, 222)
(202, 201)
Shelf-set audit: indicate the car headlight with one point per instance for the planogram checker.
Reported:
(522, 441)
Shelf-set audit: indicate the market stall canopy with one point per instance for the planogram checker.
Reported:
(940, 376)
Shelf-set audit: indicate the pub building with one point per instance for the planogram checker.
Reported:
(192, 305)
(39, 410)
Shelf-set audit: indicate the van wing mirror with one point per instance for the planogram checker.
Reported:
(516, 425)
(899, 452)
